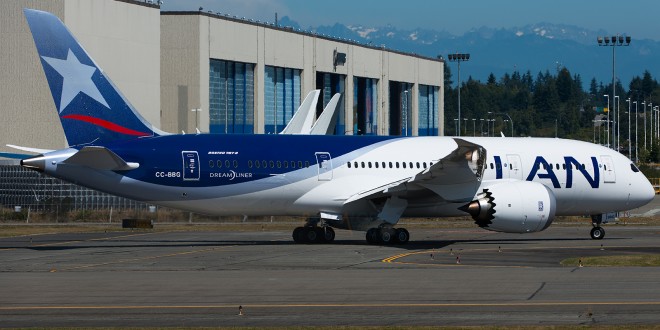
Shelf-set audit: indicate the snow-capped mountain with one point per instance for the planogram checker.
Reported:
(536, 47)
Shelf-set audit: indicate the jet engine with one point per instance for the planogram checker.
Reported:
(513, 207)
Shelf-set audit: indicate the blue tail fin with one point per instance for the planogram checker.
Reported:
(90, 107)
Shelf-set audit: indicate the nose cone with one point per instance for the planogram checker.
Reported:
(642, 193)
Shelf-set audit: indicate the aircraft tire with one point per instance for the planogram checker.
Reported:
(387, 235)
(372, 236)
(327, 235)
(298, 235)
(597, 232)
(402, 236)
(312, 234)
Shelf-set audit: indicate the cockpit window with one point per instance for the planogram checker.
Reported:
(634, 168)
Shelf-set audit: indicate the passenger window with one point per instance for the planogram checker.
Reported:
(418, 165)
(286, 164)
(411, 164)
(397, 164)
(510, 166)
(424, 163)
(349, 164)
(300, 164)
(491, 166)
(390, 164)
(249, 163)
(404, 164)
(369, 163)
(219, 164)
(264, 164)
(279, 164)
(227, 163)
(211, 163)
(257, 164)
(557, 165)
(235, 163)
(362, 163)
(376, 164)
(605, 167)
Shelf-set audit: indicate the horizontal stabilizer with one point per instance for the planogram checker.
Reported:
(28, 149)
(100, 158)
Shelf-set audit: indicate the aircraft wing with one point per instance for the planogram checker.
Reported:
(454, 178)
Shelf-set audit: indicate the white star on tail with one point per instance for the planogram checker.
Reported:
(77, 79)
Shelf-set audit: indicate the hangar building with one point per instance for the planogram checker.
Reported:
(212, 71)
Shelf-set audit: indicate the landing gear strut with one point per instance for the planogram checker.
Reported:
(597, 232)
(313, 234)
(387, 236)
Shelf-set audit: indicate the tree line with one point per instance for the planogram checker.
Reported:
(552, 105)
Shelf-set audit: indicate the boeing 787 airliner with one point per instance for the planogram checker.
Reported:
(367, 183)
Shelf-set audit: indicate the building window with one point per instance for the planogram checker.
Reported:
(330, 84)
(365, 104)
(282, 97)
(428, 111)
(400, 108)
(231, 97)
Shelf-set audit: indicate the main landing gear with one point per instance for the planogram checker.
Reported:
(597, 232)
(387, 236)
(314, 234)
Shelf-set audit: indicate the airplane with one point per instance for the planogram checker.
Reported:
(363, 183)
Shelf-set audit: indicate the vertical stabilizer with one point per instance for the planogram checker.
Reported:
(90, 107)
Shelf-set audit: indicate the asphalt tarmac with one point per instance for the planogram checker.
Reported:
(158, 279)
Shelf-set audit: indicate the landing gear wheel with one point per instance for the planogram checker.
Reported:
(387, 235)
(327, 234)
(312, 234)
(372, 236)
(597, 232)
(402, 236)
(298, 235)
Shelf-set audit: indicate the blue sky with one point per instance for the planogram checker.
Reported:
(638, 18)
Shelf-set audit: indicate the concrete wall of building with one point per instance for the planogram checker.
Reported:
(123, 38)
(242, 41)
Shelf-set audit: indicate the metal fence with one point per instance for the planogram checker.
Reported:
(22, 187)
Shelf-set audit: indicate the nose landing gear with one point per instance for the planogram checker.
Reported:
(597, 232)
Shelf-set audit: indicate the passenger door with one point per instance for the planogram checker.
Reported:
(324, 162)
(190, 165)
(609, 176)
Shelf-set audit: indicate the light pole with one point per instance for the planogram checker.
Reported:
(644, 104)
(608, 120)
(636, 152)
(629, 142)
(465, 126)
(617, 124)
(458, 58)
(617, 40)
(481, 129)
(405, 112)
(197, 111)
(456, 126)
(474, 127)
(651, 134)
(504, 114)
